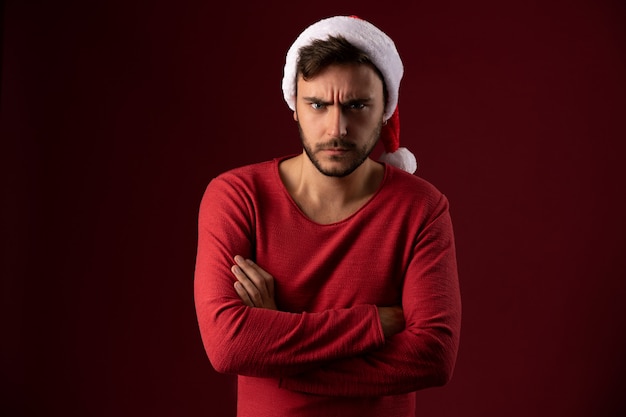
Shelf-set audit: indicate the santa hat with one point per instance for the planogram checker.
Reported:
(382, 52)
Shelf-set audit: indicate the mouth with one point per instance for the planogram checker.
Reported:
(335, 151)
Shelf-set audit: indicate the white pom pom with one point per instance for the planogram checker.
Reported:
(402, 158)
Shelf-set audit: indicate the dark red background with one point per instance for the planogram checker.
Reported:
(115, 115)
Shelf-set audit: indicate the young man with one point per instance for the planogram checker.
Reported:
(326, 280)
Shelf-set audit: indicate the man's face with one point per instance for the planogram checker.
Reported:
(339, 114)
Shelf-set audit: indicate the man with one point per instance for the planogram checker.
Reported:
(326, 280)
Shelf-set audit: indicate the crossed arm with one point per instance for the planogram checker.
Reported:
(362, 350)
(255, 287)
(417, 355)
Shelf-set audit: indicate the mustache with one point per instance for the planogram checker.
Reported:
(335, 143)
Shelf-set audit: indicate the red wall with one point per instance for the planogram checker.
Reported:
(115, 115)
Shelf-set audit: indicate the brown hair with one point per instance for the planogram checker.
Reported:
(319, 54)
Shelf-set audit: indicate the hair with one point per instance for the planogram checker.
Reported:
(320, 54)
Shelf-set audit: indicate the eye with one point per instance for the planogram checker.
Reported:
(355, 105)
(317, 106)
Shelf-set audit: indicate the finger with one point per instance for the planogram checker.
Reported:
(243, 294)
(261, 279)
(247, 285)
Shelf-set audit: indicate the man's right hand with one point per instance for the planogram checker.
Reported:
(392, 320)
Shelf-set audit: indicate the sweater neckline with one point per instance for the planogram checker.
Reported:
(283, 188)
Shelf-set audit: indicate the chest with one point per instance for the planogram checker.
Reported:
(334, 266)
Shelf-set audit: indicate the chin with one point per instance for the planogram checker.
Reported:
(337, 170)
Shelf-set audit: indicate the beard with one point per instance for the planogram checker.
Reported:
(348, 163)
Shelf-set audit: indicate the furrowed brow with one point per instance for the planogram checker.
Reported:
(347, 103)
(317, 100)
(357, 101)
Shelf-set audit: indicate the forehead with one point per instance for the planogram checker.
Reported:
(353, 79)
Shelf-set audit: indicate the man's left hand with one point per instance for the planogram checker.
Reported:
(254, 285)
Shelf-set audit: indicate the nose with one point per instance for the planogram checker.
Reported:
(336, 122)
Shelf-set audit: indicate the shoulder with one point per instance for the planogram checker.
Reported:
(410, 202)
(410, 185)
(413, 194)
(247, 185)
(247, 172)
(230, 197)
(245, 179)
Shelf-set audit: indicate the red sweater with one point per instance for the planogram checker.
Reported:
(323, 353)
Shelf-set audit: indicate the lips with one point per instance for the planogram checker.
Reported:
(335, 151)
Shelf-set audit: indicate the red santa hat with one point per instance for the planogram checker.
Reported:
(382, 52)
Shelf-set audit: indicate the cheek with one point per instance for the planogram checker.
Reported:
(364, 121)
(308, 120)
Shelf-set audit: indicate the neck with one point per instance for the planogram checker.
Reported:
(328, 199)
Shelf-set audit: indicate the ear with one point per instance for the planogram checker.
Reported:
(295, 115)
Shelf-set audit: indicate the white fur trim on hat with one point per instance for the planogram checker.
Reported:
(401, 158)
(375, 43)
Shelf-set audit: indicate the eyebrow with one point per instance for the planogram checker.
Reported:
(327, 103)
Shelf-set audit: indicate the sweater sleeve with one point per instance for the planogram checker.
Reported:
(254, 341)
(424, 354)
